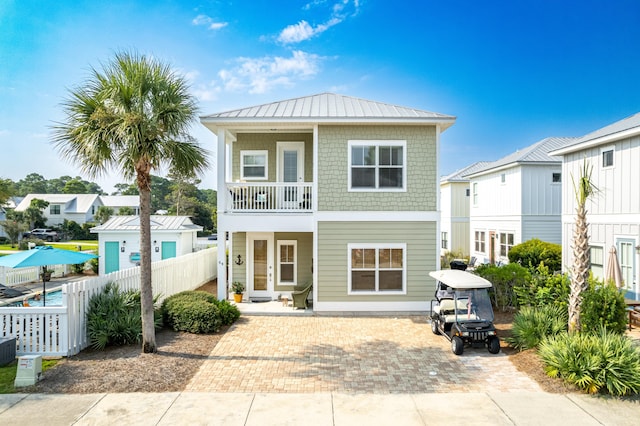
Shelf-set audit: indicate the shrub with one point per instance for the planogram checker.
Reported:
(542, 288)
(603, 305)
(113, 318)
(532, 324)
(445, 260)
(95, 264)
(532, 253)
(197, 312)
(504, 279)
(600, 362)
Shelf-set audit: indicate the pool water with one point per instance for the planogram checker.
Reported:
(53, 299)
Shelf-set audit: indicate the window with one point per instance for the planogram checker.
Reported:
(445, 243)
(377, 165)
(556, 177)
(597, 261)
(479, 239)
(506, 242)
(253, 165)
(607, 157)
(377, 268)
(466, 192)
(503, 178)
(475, 193)
(287, 258)
(54, 209)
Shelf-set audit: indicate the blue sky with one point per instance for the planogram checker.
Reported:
(512, 72)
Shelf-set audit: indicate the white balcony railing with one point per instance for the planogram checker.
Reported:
(269, 197)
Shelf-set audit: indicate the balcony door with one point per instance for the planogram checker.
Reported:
(626, 257)
(290, 168)
(260, 265)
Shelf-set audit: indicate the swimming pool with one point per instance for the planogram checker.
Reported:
(53, 299)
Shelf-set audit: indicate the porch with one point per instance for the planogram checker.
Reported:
(269, 197)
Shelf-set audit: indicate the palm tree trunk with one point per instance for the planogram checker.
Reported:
(146, 289)
(580, 269)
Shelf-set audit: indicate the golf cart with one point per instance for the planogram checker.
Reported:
(462, 312)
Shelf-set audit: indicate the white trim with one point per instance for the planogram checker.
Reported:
(377, 246)
(293, 243)
(474, 194)
(377, 144)
(613, 137)
(418, 307)
(256, 153)
(375, 216)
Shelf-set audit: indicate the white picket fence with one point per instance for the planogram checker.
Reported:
(61, 330)
(11, 277)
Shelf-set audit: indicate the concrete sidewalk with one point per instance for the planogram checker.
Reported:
(335, 409)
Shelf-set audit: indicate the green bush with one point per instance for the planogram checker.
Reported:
(504, 279)
(602, 362)
(532, 253)
(95, 264)
(532, 324)
(197, 312)
(542, 288)
(603, 305)
(113, 318)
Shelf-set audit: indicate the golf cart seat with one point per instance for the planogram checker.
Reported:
(447, 310)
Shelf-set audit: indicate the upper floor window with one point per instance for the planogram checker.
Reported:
(475, 193)
(556, 177)
(54, 209)
(253, 165)
(607, 156)
(479, 240)
(503, 177)
(506, 242)
(377, 268)
(377, 165)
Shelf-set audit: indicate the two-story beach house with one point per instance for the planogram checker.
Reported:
(332, 191)
(79, 208)
(454, 208)
(613, 212)
(515, 199)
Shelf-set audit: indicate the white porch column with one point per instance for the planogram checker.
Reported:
(221, 230)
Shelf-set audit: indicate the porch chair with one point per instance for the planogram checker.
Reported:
(299, 297)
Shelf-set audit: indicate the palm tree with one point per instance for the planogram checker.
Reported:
(583, 189)
(133, 116)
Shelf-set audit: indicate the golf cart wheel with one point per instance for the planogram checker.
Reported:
(494, 345)
(434, 326)
(457, 345)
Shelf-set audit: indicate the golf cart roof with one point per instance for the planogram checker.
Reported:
(458, 279)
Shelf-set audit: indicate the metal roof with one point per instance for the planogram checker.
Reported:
(158, 223)
(534, 154)
(620, 129)
(328, 107)
(74, 203)
(457, 176)
(120, 200)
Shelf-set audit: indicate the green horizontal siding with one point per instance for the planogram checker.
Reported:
(333, 238)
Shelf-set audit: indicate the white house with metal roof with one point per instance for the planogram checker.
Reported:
(116, 202)
(515, 199)
(332, 191)
(79, 208)
(454, 208)
(119, 240)
(613, 212)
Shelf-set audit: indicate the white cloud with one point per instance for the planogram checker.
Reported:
(260, 75)
(304, 31)
(4, 132)
(209, 22)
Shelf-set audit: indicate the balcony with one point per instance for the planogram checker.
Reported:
(272, 197)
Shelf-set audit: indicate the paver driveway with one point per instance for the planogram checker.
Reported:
(349, 354)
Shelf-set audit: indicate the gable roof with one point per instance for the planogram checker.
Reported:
(327, 108)
(625, 128)
(73, 203)
(158, 223)
(457, 176)
(538, 153)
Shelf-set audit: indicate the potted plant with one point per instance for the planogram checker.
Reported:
(238, 288)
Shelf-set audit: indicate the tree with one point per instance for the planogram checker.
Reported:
(126, 211)
(583, 189)
(125, 189)
(5, 190)
(74, 186)
(103, 214)
(33, 183)
(33, 213)
(134, 116)
(13, 229)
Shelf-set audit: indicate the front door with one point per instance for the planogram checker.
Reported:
(626, 257)
(290, 169)
(260, 265)
(168, 249)
(111, 256)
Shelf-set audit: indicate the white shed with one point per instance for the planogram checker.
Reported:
(119, 240)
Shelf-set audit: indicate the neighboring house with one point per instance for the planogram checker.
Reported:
(119, 240)
(334, 191)
(79, 208)
(515, 199)
(116, 202)
(613, 212)
(454, 208)
(3, 216)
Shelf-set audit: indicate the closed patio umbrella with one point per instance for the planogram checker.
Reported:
(43, 256)
(614, 273)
